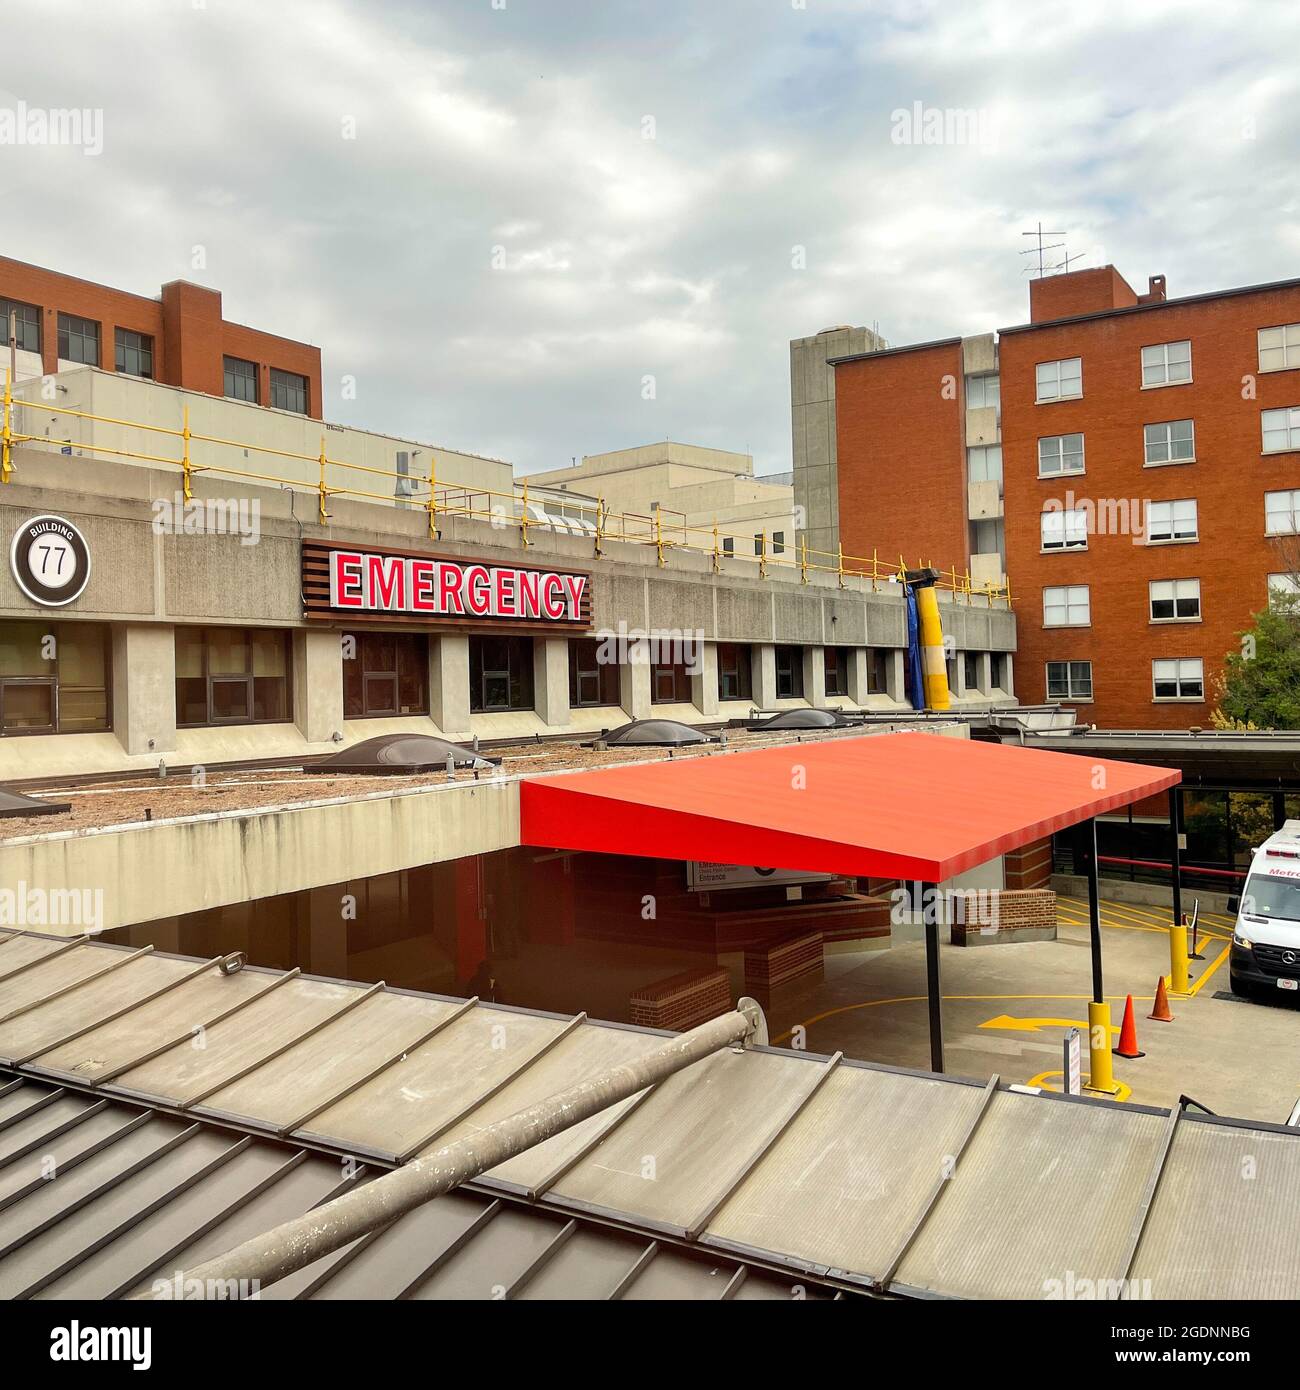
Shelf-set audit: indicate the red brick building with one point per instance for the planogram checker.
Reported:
(180, 338)
(1144, 475)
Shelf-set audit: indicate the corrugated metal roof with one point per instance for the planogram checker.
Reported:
(187, 1109)
(101, 1199)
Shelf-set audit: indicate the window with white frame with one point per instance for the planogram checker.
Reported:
(1060, 453)
(1069, 680)
(1279, 348)
(1178, 678)
(1172, 521)
(1281, 429)
(1064, 530)
(1059, 381)
(982, 391)
(1283, 590)
(984, 463)
(1167, 364)
(1282, 512)
(1174, 441)
(1175, 600)
(1067, 605)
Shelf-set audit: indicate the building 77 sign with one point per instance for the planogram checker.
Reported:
(412, 586)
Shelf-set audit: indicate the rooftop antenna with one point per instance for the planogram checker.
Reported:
(1065, 264)
(1040, 248)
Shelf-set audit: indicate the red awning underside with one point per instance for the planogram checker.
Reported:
(908, 805)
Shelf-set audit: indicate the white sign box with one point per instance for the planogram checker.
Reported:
(703, 876)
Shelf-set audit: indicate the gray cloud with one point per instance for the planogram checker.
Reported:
(500, 256)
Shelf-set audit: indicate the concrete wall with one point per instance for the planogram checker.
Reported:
(812, 421)
(166, 868)
(145, 583)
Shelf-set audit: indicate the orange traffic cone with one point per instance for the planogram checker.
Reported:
(1128, 1033)
(1161, 1011)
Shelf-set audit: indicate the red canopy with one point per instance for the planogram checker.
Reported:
(906, 805)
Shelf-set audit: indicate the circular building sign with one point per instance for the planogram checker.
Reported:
(50, 560)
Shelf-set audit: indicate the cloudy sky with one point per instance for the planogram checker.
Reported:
(502, 216)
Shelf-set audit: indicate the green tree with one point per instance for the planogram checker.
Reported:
(1261, 682)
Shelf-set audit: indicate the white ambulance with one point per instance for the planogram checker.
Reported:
(1266, 940)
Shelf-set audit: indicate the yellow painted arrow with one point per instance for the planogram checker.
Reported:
(1033, 1025)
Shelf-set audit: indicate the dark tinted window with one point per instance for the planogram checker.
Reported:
(78, 340)
(28, 326)
(591, 680)
(500, 674)
(133, 352)
(386, 673)
(789, 673)
(288, 391)
(240, 379)
(735, 673)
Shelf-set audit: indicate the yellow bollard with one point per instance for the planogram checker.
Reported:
(1101, 1075)
(1178, 982)
(934, 667)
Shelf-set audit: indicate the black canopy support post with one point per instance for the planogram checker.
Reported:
(1094, 908)
(1175, 851)
(933, 986)
(1279, 810)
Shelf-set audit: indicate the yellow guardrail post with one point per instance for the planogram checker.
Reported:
(803, 557)
(600, 517)
(762, 553)
(659, 534)
(433, 498)
(323, 490)
(523, 520)
(6, 459)
(185, 453)
(717, 558)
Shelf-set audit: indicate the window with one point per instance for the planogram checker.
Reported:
(1281, 429)
(54, 678)
(760, 542)
(1174, 600)
(778, 542)
(1282, 590)
(1069, 680)
(78, 340)
(982, 391)
(1059, 381)
(987, 537)
(1181, 679)
(670, 683)
(133, 352)
(835, 660)
(789, 673)
(1061, 530)
(591, 680)
(288, 391)
(728, 545)
(1167, 364)
(27, 326)
(971, 670)
(1171, 521)
(1171, 442)
(998, 670)
(984, 464)
(231, 675)
(877, 671)
(241, 379)
(1060, 453)
(1067, 606)
(735, 675)
(1282, 513)
(500, 674)
(1279, 348)
(387, 674)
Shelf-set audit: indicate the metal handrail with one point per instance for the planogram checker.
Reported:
(488, 504)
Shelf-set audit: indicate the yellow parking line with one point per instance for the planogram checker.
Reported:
(1218, 961)
(1041, 1079)
(947, 998)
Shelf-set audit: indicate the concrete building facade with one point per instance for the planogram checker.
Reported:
(814, 439)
